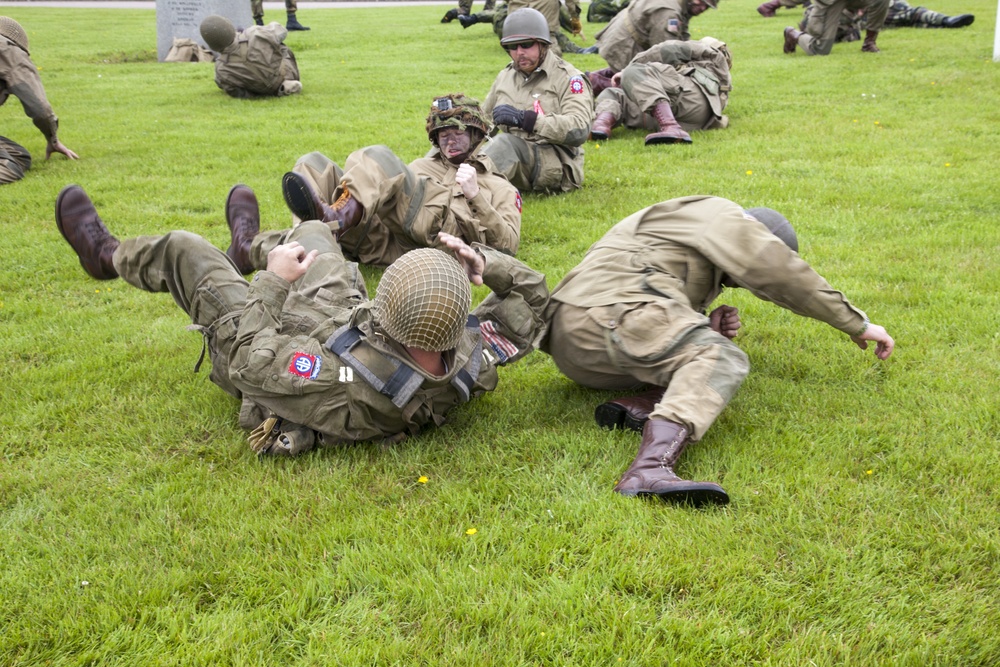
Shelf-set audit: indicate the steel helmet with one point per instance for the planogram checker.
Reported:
(524, 24)
(13, 31)
(777, 224)
(217, 32)
(456, 110)
(423, 300)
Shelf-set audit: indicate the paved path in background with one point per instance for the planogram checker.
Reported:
(151, 4)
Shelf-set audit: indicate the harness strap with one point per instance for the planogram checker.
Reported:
(404, 381)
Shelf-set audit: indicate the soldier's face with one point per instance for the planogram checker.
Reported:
(696, 7)
(454, 144)
(527, 56)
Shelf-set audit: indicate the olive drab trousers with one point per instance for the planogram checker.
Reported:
(649, 83)
(207, 286)
(15, 160)
(402, 211)
(614, 347)
(821, 28)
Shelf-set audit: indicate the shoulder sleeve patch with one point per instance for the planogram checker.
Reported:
(305, 365)
(503, 348)
(576, 85)
(673, 26)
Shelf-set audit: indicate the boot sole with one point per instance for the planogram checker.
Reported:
(668, 140)
(611, 416)
(298, 197)
(697, 494)
(599, 136)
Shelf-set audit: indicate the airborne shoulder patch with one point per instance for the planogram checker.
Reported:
(305, 365)
(576, 85)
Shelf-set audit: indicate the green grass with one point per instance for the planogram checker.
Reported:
(863, 527)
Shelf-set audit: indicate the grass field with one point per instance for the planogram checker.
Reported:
(137, 527)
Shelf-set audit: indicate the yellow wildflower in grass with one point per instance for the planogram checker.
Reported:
(471, 531)
(868, 472)
(947, 164)
(422, 479)
(749, 172)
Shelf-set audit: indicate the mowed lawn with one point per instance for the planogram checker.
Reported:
(137, 527)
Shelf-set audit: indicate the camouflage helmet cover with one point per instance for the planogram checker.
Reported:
(524, 24)
(423, 300)
(777, 224)
(456, 110)
(218, 32)
(13, 31)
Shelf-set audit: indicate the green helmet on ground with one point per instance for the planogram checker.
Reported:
(423, 300)
(524, 24)
(218, 32)
(13, 31)
(456, 110)
(777, 224)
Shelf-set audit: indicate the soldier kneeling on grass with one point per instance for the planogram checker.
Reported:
(633, 313)
(313, 360)
(251, 63)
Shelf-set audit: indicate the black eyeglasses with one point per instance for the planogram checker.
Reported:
(519, 45)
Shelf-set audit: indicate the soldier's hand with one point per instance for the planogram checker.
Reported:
(56, 146)
(466, 179)
(725, 320)
(576, 27)
(616, 80)
(884, 342)
(290, 261)
(505, 114)
(473, 263)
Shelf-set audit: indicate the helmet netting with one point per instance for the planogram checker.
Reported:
(423, 300)
(13, 31)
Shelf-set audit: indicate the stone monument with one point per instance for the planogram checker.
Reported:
(182, 18)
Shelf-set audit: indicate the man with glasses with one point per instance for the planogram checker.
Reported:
(545, 107)
(379, 207)
(645, 23)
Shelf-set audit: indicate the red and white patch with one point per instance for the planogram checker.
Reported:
(517, 200)
(576, 85)
(305, 365)
(673, 26)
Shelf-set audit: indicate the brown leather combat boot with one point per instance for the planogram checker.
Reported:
(601, 129)
(600, 80)
(652, 471)
(305, 204)
(302, 200)
(85, 232)
(768, 9)
(243, 218)
(631, 412)
(346, 211)
(869, 45)
(670, 131)
(791, 39)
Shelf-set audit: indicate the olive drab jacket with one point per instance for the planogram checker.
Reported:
(256, 63)
(561, 93)
(679, 252)
(349, 382)
(641, 25)
(493, 217)
(19, 77)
